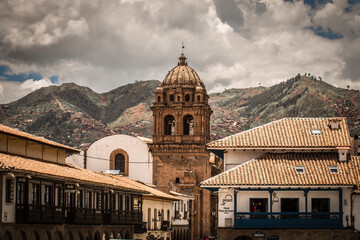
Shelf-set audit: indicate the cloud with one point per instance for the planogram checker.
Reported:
(230, 43)
(11, 91)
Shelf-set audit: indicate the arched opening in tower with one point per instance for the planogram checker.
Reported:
(188, 125)
(169, 125)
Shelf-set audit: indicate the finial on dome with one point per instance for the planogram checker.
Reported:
(182, 60)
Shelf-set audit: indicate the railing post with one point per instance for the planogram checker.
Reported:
(306, 191)
(271, 202)
(235, 207)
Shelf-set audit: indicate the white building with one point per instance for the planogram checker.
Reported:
(291, 178)
(128, 156)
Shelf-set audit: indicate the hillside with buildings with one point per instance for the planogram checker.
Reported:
(77, 116)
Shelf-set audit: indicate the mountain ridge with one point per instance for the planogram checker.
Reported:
(77, 116)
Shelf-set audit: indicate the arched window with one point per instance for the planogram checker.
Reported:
(169, 125)
(159, 99)
(119, 160)
(188, 125)
(171, 97)
(187, 97)
(198, 98)
(178, 98)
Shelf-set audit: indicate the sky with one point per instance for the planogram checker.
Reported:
(104, 44)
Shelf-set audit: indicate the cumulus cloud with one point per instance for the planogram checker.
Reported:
(230, 43)
(11, 91)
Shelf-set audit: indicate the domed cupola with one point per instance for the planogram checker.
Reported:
(182, 74)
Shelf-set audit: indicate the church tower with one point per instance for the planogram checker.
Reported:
(181, 130)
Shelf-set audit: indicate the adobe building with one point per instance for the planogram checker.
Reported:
(181, 119)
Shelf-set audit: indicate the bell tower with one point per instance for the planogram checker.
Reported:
(181, 112)
(181, 130)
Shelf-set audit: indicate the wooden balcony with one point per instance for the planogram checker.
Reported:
(83, 216)
(40, 214)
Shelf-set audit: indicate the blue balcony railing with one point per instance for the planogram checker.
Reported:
(288, 220)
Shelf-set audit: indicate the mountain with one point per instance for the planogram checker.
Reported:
(77, 116)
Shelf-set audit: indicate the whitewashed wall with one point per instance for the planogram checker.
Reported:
(98, 156)
(226, 207)
(356, 211)
(234, 158)
(8, 209)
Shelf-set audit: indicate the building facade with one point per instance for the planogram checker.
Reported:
(42, 197)
(181, 120)
(129, 159)
(291, 178)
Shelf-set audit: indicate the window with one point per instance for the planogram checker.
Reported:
(159, 99)
(105, 202)
(121, 202)
(60, 196)
(169, 122)
(320, 205)
(168, 215)
(20, 199)
(119, 160)
(36, 194)
(80, 197)
(258, 205)
(88, 202)
(113, 201)
(9, 190)
(47, 194)
(171, 98)
(137, 204)
(178, 98)
(177, 180)
(289, 205)
(70, 199)
(315, 131)
(187, 98)
(188, 125)
(300, 169)
(333, 169)
(198, 98)
(127, 203)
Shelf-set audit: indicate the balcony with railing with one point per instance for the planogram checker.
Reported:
(288, 220)
(74, 215)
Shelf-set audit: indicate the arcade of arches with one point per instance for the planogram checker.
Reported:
(65, 233)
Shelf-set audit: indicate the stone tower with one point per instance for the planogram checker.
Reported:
(181, 119)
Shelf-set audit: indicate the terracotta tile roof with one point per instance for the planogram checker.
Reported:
(290, 133)
(63, 172)
(279, 169)
(356, 160)
(18, 133)
(151, 191)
